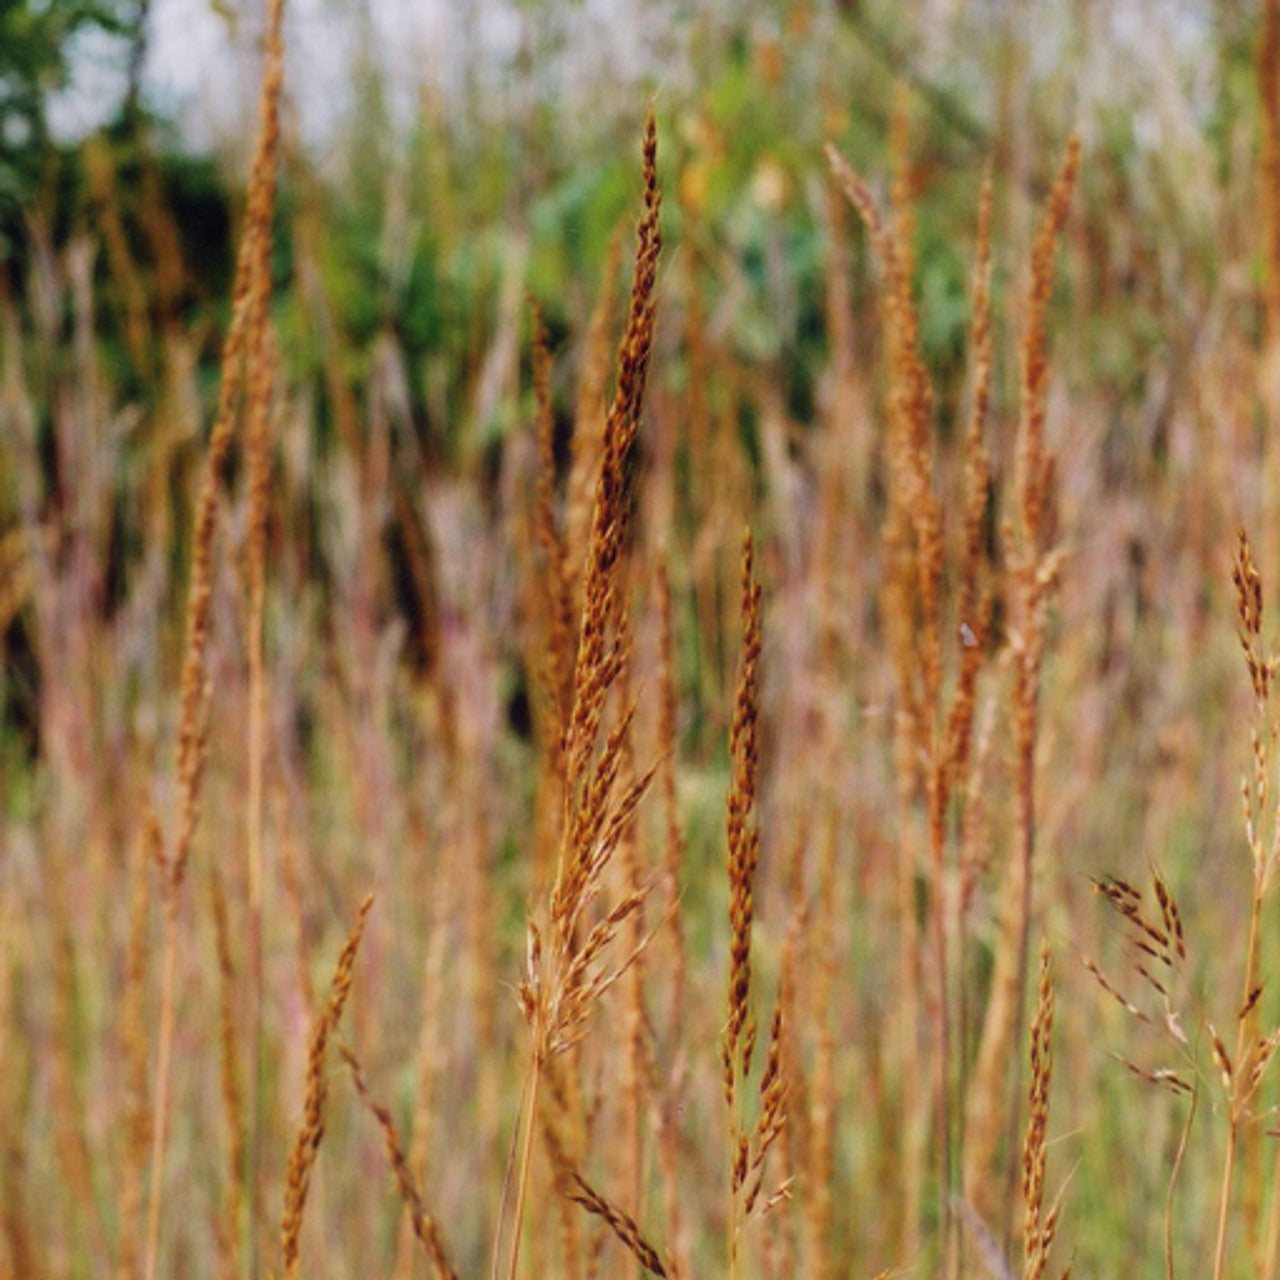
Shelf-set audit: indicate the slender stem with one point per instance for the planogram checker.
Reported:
(942, 1079)
(959, 1065)
(1173, 1179)
(168, 999)
(255, 823)
(1027, 694)
(1237, 1083)
(526, 1161)
(734, 1198)
(908, 1005)
(1224, 1202)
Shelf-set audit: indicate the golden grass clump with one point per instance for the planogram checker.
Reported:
(926, 588)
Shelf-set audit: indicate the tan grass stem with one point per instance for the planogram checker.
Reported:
(134, 1042)
(261, 368)
(232, 1089)
(912, 545)
(1267, 64)
(668, 1087)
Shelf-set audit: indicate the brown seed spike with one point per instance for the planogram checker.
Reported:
(619, 1222)
(743, 837)
(1222, 1059)
(424, 1225)
(1171, 915)
(1039, 1225)
(1248, 584)
(307, 1143)
(569, 969)
(1032, 463)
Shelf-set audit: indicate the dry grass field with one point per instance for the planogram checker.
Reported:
(720, 723)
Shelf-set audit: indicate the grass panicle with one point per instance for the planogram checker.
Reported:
(748, 1146)
(567, 972)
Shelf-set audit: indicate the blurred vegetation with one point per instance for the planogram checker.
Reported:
(36, 43)
(405, 256)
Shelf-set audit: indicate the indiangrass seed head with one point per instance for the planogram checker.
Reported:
(743, 835)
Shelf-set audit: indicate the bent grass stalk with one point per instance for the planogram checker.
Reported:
(424, 1225)
(306, 1145)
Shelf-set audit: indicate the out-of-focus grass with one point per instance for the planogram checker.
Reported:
(402, 652)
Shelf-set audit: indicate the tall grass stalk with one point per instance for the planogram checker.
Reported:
(243, 343)
(567, 970)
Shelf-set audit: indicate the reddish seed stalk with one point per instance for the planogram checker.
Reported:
(743, 841)
(1034, 568)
